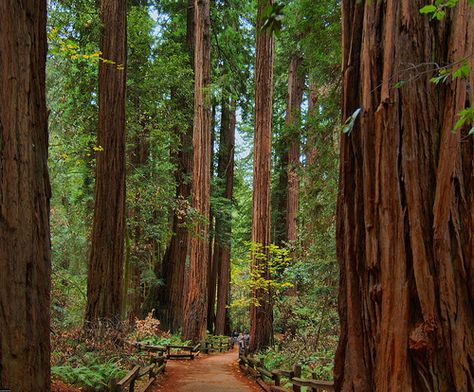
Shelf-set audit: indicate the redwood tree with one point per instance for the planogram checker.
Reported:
(174, 260)
(261, 313)
(225, 172)
(104, 283)
(405, 210)
(25, 257)
(195, 309)
(293, 110)
(213, 215)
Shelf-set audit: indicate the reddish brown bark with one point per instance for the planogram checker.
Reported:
(104, 283)
(225, 172)
(195, 308)
(261, 312)
(212, 265)
(211, 276)
(174, 261)
(133, 293)
(293, 118)
(405, 207)
(25, 257)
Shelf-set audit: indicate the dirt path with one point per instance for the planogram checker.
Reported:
(213, 373)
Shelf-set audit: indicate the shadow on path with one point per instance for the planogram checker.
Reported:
(213, 373)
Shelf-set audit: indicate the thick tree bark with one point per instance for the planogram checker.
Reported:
(280, 196)
(212, 265)
(405, 207)
(261, 312)
(171, 297)
(104, 283)
(25, 255)
(225, 172)
(293, 119)
(195, 309)
(211, 276)
(286, 194)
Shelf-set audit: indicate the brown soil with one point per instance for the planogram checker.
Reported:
(59, 386)
(213, 373)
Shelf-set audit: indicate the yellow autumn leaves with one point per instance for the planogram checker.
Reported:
(70, 49)
(266, 274)
(65, 157)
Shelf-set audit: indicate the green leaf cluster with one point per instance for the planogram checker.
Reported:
(92, 377)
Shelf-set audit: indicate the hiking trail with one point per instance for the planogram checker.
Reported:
(209, 373)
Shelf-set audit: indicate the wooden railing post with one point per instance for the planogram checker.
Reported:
(297, 374)
(113, 385)
(276, 379)
(313, 376)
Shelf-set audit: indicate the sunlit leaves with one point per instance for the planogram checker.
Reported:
(442, 77)
(438, 9)
(463, 71)
(349, 124)
(268, 262)
(466, 117)
(272, 17)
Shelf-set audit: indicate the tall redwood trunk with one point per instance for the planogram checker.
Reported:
(261, 312)
(225, 172)
(174, 261)
(211, 277)
(25, 256)
(405, 210)
(212, 265)
(311, 153)
(293, 118)
(195, 308)
(104, 283)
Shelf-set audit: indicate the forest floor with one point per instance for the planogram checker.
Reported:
(209, 373)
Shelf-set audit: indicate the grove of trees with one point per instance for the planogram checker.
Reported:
(175, 169)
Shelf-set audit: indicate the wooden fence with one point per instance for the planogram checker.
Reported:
(157, 365)
(159, 356)
(216, 343)
(210, 344)
(271, 380)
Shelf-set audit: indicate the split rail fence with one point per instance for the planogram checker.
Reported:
(128, 383)
(158, 357)
(273, 380)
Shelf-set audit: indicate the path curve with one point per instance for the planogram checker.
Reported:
(210, 373)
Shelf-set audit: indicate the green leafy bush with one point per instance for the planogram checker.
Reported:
(174, 340)
(93, 377)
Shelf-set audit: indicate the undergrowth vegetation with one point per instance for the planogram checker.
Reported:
(90, 358)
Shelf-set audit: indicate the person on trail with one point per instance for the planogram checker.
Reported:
(246, 339)
(240, 341)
